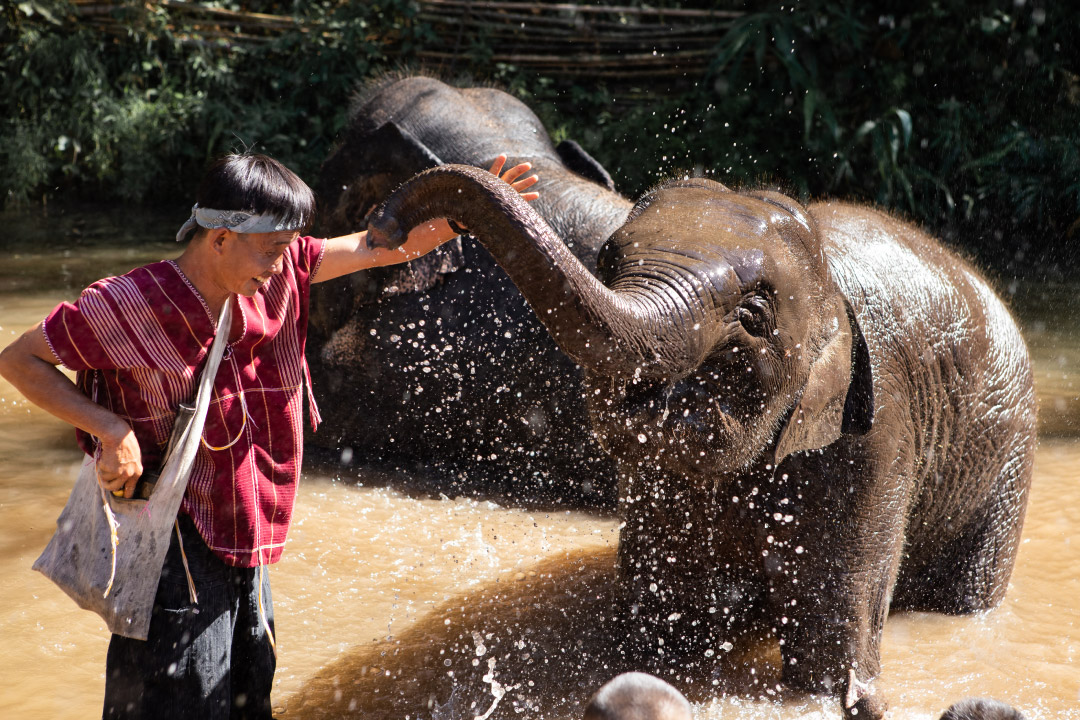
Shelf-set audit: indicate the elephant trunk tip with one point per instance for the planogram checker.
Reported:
(384, 231)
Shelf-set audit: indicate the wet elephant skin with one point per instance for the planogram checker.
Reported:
(439, 368)
(817, 412)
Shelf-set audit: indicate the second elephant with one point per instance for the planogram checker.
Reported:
(439, 366)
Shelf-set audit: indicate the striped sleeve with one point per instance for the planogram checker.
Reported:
(83, 335)
(308, 256)
(112, 326)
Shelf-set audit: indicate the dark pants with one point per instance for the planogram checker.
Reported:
(207, 660)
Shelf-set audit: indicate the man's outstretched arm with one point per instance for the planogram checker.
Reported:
(350, 253)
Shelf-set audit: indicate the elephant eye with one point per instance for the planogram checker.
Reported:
(755, 315)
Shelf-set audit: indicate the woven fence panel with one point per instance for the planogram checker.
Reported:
(627, 47)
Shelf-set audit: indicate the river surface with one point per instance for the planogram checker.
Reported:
(393, 604)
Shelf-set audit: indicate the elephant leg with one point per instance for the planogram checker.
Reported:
(830, 564)
(968, 570)
(836, 651)
(676, 573)
(968, 575)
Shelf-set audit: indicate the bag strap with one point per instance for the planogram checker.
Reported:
(186, 412)
(213, 360)
(202, 404)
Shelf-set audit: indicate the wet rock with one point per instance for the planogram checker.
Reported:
(981, 709)
(637, 696)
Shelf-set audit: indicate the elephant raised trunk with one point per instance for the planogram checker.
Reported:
(610, 332)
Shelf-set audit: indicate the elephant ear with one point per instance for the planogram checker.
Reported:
(364, 169)
(359, 176)
(581, 162)
(838, 397)
(391, 148)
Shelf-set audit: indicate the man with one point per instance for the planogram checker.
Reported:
(137, 343)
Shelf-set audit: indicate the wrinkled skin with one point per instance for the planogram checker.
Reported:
(445, 368)
(817, 413)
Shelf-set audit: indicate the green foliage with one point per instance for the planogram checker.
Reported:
(960, 114)
(135, 115)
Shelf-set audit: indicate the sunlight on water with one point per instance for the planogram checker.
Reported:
(378, 562)
(391, 605)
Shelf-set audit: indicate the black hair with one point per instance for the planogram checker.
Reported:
(258, 184)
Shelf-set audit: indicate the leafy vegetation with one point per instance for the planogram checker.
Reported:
(962, 115)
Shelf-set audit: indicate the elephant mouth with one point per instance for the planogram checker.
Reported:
(682, 428)
(709, 442)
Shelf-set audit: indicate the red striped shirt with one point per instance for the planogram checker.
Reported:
(138, 343)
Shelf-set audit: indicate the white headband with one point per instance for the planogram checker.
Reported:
(236, 220)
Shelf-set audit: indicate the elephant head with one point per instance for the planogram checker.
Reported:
(712, 337)
(400, 126)
(751, 352)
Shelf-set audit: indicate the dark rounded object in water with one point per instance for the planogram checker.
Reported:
(637, 696)
(981, 709)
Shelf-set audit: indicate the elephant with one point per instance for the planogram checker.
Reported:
(817, 412)
(448, 335)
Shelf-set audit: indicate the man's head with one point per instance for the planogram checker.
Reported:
(249, 209)
(250, 193)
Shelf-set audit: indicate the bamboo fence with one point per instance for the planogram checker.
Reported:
(631, 48)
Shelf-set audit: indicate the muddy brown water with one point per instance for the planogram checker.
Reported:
(395, 605)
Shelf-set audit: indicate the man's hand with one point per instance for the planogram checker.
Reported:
(119, 465)
(30, 366)
(510, 176)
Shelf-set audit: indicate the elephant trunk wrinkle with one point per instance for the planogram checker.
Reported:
(692, 288)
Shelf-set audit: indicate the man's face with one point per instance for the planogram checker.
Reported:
(249, 260)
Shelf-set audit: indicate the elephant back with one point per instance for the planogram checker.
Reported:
(399, 127)
(917, 299)
(952, 382)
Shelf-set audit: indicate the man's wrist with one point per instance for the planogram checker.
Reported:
(113, 431)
